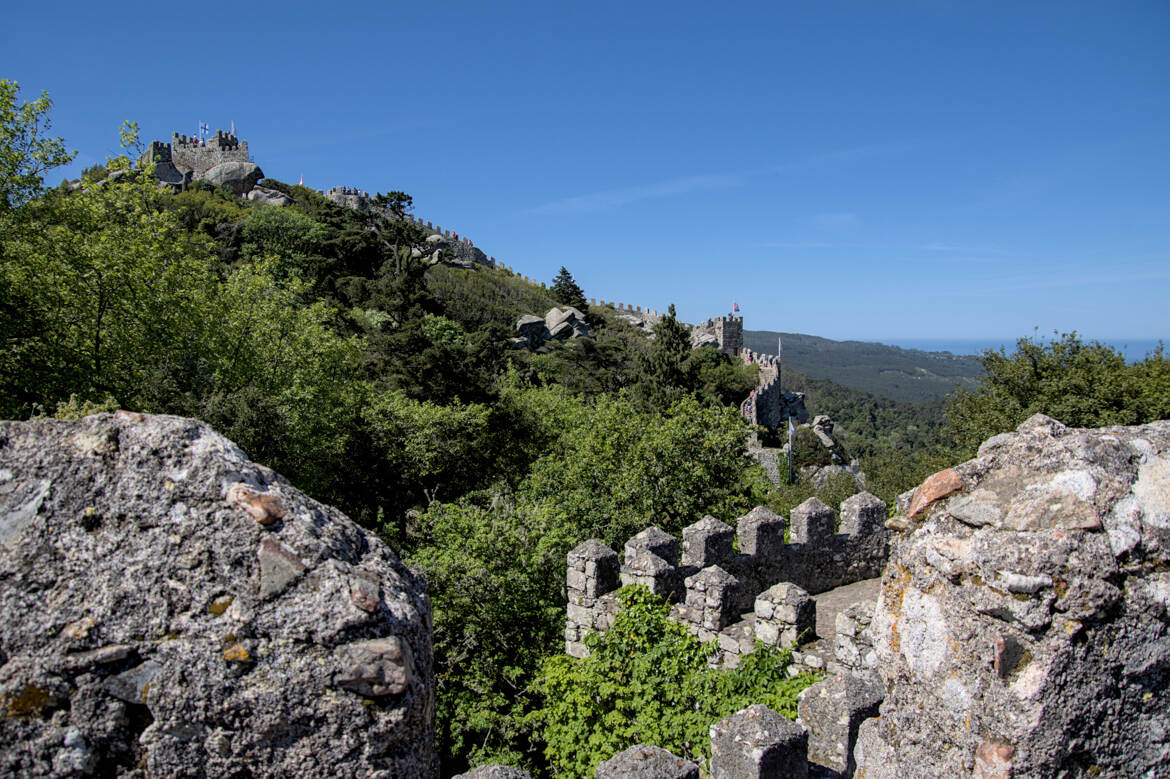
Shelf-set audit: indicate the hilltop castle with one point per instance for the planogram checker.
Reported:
(220, 159)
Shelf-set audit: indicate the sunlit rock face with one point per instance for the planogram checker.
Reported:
(172, 609)
(1022, 628)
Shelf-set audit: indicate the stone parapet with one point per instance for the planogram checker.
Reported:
(832, 711)
(785, 616)
(721, 600)
(707, 542)
(853, 649)
(711, 598)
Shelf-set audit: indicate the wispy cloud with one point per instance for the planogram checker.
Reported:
(600, 201)
(613, 198)
(930, 251)
(1091, 276)
(842, 220)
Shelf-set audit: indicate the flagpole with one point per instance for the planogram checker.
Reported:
(780, 390)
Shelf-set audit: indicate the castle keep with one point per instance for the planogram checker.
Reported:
(201, 155)
(723, 332)
(221, 159)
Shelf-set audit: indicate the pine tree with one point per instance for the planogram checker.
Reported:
(566, 291)
(665, 371)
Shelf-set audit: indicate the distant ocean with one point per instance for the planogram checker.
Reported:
(1133, 348)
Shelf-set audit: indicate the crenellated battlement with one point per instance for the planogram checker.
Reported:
(350, 197)
(627, 308)
(221, 141)
(712, 585)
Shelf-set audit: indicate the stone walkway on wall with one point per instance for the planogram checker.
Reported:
(820, 655)
(833, 601)
(816, 655)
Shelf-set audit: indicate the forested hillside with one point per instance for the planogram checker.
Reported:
(906, 375)
(313, 336)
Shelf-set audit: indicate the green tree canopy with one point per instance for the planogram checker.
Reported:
(566, 291)
(397, 203)
(1080, 384)
(666, 372)
(26, 152)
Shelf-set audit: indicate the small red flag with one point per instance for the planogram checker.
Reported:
(735, 307)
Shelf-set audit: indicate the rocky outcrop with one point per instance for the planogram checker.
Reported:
(239, 177)
(1023, 627)
(452, 251)
(828, 456)
(271, 197)
(172, 609)
(169, 175)
(559, 324)
(565, 323)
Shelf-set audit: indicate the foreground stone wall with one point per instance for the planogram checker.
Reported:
(172, 609)
(1023, 627)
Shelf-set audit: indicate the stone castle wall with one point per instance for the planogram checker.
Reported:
(348, 197)
(713, 586)
(723, 332)
(201, 155)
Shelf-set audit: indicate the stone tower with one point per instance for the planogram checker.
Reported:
(729, 331)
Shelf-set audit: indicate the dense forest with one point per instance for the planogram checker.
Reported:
(314, 337)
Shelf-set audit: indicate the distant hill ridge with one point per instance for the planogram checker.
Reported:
(906, 375)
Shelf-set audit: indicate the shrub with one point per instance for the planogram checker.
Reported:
(646, 681)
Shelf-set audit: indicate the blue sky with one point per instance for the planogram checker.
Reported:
(845, 168)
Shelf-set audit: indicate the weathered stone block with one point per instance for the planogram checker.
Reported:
(646, 762)
(832, 710)
(1062, 677)
(761, 533)
(717, 590)
(598, 566)
(793, 611)
(579, 615)
(645, 568)
(707, 542)
(768, 632)
(656, 541)
(758, 743)
(863, 514)
(853, 646)
(813, 522)
(135, 580)
(575, 580)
